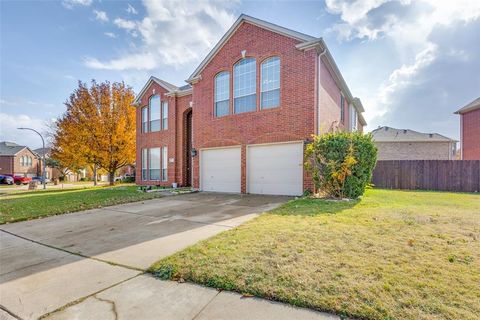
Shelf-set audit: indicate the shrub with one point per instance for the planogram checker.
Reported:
(341, 163)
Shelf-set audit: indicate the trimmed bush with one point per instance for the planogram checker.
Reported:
(341, 163)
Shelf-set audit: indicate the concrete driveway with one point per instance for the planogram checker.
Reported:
(49, 263)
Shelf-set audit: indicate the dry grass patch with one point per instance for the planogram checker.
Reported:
(393, 255)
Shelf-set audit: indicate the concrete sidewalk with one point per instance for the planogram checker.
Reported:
(144, 297)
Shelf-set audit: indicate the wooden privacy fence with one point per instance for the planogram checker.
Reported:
(444, 175)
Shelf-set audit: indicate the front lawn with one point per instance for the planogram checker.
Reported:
(392, 255)
(25, 205)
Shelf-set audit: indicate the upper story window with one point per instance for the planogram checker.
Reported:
(245, 85)
(353, 119)
(154, 107)
(145, 119)
(342, 108)
(270, 83)
(164, 115)
(22, 161)
(222, 94)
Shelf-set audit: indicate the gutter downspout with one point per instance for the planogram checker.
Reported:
(319, 88)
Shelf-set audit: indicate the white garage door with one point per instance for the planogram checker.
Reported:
(275, 169)
(220, 170)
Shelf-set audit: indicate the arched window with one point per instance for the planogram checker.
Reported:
(245, 85)
(29, 161)
(270, 83)
(154, 106)
(222, 94)
(22, 161)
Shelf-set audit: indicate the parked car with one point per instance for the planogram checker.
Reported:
(40, 180)
(18, 180)
(6, 179)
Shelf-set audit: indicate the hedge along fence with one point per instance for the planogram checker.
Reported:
(441, 175)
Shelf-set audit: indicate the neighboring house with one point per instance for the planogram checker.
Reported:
(470, 130)
(18, 160)
(53, 173)
(242, 122)
(406, 144)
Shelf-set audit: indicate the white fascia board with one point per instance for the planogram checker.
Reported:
(167, 86)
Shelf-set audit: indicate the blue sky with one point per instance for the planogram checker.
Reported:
(413, 63)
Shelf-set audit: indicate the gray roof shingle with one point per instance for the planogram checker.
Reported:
(10, 148)
(389, 134)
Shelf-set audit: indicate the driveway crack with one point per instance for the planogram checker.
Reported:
(112, 303)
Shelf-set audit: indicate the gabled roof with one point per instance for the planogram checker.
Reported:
(40, 151)
(389, 134)
(162, 83)
(257, 22)
(10, 148)
(475, 104)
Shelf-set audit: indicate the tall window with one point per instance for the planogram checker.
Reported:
(145, 119)
(154, 163)
(164, 115)
(222, 94)
(270, 83)
(342, 108)
(164, 164)
(245, 85)
(22, 161)
(144, 164)
(353, 118)
(154, 107)
(30, 161)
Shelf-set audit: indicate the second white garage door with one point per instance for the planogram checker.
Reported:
(220, 169)
(275, 169)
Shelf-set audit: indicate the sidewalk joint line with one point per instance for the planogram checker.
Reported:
(73, 253)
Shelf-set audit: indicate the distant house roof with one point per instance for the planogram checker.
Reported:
(475, 104)
(40, 151)
(10, 148)
(389, 134)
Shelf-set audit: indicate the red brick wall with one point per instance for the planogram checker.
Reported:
(11, 164)
(171, 138)
(330, 103)
(292, 121)
(471, 135)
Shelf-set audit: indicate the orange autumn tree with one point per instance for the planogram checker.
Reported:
(98, 128)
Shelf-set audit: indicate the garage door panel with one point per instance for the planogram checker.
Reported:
(275, 169)
(220, 170)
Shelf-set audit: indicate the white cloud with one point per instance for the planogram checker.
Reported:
(110, 34)
(125, 24)
(131, 9)
(408, 26)
(101, 15)
(173, 33)
(69, 4)
(9, 132)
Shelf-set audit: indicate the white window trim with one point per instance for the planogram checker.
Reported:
(245, 95)
(279, 82)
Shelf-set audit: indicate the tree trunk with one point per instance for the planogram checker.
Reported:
(94, 174)
(111, 178)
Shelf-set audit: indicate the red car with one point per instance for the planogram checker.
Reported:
(18, 180)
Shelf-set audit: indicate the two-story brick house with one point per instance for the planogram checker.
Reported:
(249, 109)
(18, 160)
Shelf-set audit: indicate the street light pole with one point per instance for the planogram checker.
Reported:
(43, 156)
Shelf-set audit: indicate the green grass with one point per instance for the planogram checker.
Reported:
(26, 205)
(392, 255)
